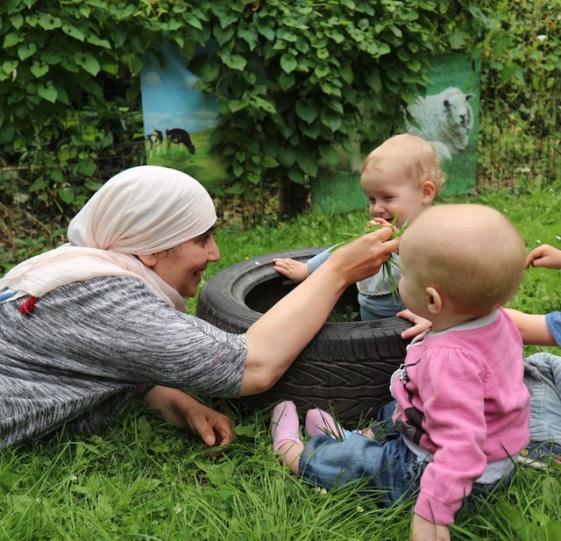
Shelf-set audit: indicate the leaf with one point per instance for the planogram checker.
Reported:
(94, 40)
(288, 63)
(88, 62)
(12, 39)
(38, 69)
(47, 92)
(66, 194)
(287, 156)
(296, 176)
(73, 32)
(48, 22)
(331, 119)
(347, 74)
(191, 20)
(26, 50)
(6, 134)
(270, 163)
(306, 111)
(236, 105)
(285, 81)
(308, 164)
(312, 131)
(249, 37)
(235, 61)
(9, 66)
(265, 30)
(16, 20)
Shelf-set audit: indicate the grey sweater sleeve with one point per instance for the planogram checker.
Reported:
(90, 343)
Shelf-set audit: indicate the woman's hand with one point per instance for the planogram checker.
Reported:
(183, 411)
(364, 256)
(420, 324)
(425, 530)
(544, 256)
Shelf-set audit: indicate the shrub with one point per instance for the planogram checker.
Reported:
(293, 79)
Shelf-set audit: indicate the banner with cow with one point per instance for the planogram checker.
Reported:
(178, 120)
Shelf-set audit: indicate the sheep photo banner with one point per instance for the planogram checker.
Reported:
(447, 116)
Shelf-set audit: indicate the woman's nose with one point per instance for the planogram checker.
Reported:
(212, 249)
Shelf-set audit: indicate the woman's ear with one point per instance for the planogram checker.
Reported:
(434, 301)
(429, 191)
(149, 260)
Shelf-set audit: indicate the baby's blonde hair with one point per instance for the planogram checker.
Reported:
(470, 252)
(413, 155)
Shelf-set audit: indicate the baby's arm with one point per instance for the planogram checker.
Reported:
(532, 327)
(296, 271)
(544, 256)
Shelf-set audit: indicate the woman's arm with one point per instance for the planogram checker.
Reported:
(275, 340)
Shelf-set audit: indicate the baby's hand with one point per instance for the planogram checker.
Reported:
(420, 324)
(544, 256)
(292, 269)
(425, 530)
(380, 222)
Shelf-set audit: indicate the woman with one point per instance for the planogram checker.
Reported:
(98, 321)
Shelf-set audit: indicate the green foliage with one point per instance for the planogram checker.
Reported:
(294, 79)
(68, 77)
(297, 80)
(521, 96)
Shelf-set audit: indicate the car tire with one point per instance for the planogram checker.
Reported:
(347, 366)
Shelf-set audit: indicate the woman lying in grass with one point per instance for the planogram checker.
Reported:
(90, 325)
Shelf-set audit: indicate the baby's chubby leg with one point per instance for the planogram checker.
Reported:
(285, 431)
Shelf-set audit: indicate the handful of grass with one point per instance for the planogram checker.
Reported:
(397, 231)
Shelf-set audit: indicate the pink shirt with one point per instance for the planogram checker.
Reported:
(466, 384)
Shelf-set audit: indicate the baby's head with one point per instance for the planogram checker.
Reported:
(463, 259)
(401, 178)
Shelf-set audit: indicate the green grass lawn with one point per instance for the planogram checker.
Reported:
(144, 480)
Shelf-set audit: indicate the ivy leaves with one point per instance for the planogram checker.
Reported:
(297, 82)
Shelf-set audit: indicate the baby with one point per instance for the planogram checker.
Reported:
(461, 408)
(401, 178)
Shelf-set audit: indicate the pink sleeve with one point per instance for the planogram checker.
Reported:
(452, 397)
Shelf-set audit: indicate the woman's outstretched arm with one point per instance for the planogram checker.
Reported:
(275, 340)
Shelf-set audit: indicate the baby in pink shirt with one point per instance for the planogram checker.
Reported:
(461, 406)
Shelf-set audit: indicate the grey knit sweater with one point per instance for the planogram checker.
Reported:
(87, 348)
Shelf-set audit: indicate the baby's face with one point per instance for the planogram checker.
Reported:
(411, 290)
(392, 196)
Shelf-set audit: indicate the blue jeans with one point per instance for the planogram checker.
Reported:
(386, 464)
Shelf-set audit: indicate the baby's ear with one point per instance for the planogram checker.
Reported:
(428, 189)
(434, 301)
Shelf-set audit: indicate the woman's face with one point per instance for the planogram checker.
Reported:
(183, 266)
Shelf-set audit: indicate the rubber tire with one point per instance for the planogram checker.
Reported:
(345, 369)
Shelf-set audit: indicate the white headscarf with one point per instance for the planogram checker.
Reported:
(141, 211)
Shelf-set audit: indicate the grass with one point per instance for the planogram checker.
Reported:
(142, 479)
